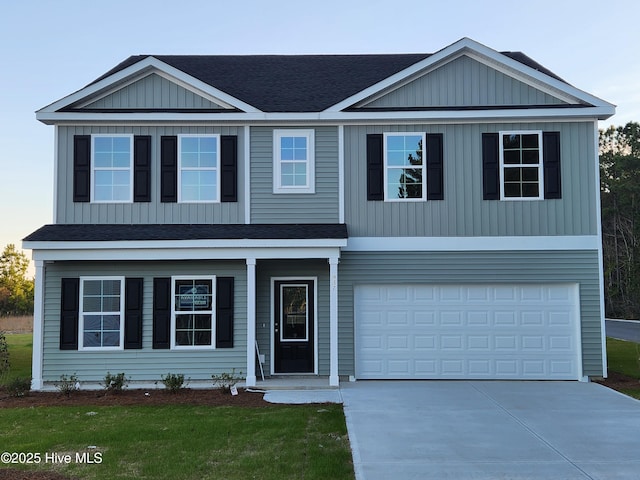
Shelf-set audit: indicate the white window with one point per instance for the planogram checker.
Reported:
(112, 168)
(198, 168)
(193, 312)
(101, 313)
(293, 161)
(521, 165)
(404, 167)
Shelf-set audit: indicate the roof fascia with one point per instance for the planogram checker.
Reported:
(138, 70)
(362, 116)
(185, 250)
(485, 55)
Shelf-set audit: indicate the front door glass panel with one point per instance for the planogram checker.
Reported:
(295, 320)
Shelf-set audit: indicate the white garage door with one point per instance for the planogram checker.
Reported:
(467, 332)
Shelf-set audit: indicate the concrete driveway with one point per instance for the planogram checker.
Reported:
(491, 430)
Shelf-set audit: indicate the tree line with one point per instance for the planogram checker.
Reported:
(620, 199)
(16, 290)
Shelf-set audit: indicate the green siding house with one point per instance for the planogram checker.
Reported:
(410, 216)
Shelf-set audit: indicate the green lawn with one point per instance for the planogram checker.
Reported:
(177, 442)
(624, 357)
(181, 442)
(20, 346)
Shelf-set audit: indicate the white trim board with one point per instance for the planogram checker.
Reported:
(470, 244)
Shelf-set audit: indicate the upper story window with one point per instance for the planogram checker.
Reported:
(101, 313)
(404, 166)
(112, 170)
(193, 321)
(521, 165)
(293, 161)
(198, 170)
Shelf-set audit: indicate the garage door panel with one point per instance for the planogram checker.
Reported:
(477, 331)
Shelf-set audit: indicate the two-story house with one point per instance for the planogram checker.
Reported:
(410, 216)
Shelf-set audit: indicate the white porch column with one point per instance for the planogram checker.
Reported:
(251, 322)
(38, 319)
(333, 323)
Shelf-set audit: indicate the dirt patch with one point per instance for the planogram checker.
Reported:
(16, 324)
(186, 396)
(620, 382)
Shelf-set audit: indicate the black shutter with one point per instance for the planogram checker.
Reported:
(229, 168)
(142, 168)
(161, 312)
(169, 169)
(435, 167)
(375, 166)
(224, 312)
(551, 160)
(69, 305)
(490, 167)
(81, 168)
(133, 313)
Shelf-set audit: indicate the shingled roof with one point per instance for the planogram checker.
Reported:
(295, 83)
(115, 233)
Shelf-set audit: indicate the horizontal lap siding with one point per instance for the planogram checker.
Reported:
(464, 82)
(68, 211)
(318, 207)
(145, 364)
(463, 212)
(474, 267)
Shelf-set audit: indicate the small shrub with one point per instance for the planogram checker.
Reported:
(19, 387)
(68, 385)
(227, 380)
(4, 355)
(174, 382)
(115, 383)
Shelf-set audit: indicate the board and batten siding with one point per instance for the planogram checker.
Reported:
(146, 364)
(318, 207)
(155, 92)
(463, 212)
(464, 82)
(389, 268)
(266, 270)
(154, 212)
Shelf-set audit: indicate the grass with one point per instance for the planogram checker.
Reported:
(178, 442)
(624, 357)
(20, 347)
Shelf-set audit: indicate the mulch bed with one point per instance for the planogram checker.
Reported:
(186, 396)
(618, 381)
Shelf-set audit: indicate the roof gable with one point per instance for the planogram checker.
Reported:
(153, 91)
(512, 64)
(462, 82)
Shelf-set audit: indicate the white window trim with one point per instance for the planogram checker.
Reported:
(93, 166)
(81, 314)
(310, 186)
(503, 166)
(387, 197)
(217, 168)
(214, 301)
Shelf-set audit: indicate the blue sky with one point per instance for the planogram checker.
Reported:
(50, 49)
